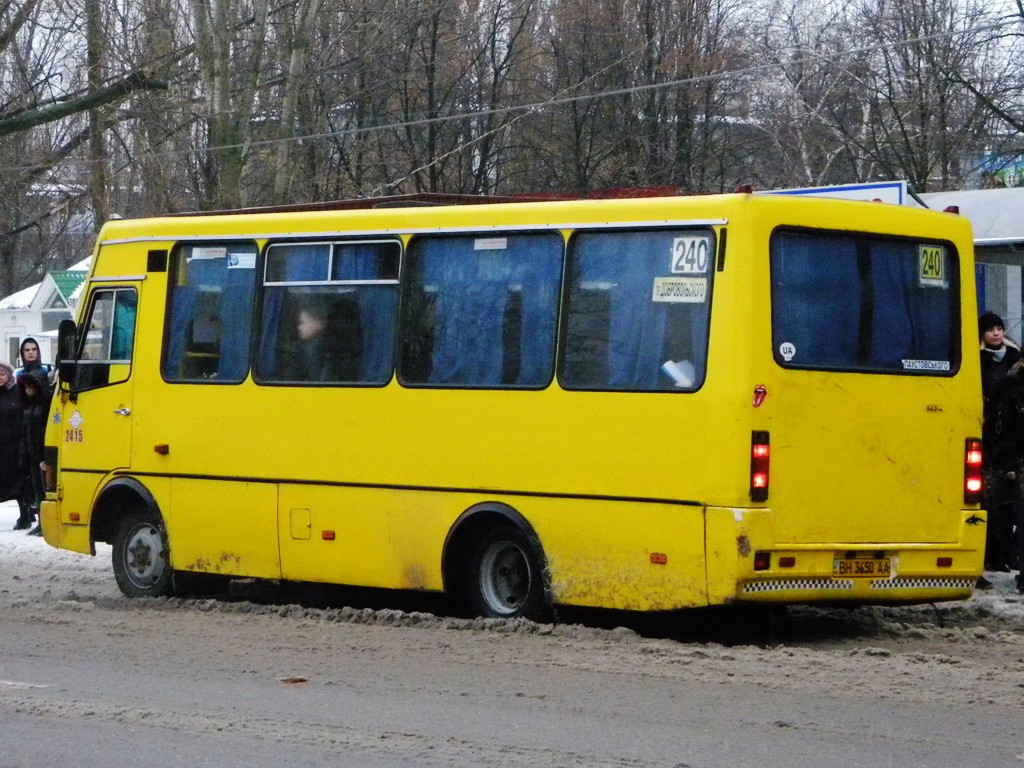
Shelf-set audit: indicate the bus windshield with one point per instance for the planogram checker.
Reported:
(851, 302)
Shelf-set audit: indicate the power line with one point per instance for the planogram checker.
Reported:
(540, 106)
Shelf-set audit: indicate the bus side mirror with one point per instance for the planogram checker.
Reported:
(67, 343)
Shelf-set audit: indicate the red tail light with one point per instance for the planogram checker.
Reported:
(972, 471)
(759, 460)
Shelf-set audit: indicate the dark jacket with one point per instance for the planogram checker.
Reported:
(10, 443)
(1005, 451)
(34, 416)
(992, 370)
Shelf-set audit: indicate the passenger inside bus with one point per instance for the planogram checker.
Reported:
(331, 338)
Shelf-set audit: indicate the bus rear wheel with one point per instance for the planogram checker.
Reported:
(505, 576)
(140, 555)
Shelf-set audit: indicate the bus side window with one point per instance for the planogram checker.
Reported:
(481, 310)
(637, 310)
(329, 312)
(106, 354)
(210, 313)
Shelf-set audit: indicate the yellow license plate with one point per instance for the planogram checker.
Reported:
(861, 568)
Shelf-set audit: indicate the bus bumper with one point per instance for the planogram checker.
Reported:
(746, 564)
(62, 535)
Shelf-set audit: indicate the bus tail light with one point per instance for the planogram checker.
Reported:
(972, 471)
(759, 458)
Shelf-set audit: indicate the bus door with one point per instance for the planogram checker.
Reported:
(95, 419)
(866, 405)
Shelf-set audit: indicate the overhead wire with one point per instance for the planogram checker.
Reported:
(539, 106)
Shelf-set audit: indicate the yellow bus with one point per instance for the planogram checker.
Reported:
(641, 404)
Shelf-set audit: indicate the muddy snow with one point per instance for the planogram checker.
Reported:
(937, 661)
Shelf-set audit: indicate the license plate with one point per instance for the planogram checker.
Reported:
(861, 568)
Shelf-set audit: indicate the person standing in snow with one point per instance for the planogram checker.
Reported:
(35, 393)
(10, 442)
(1005, 456)
(999, 355)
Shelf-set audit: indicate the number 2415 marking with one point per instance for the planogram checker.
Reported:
(72, 436)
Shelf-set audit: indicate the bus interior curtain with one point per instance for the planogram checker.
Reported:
(895, 327)
(302, 262)
(182, 309)
(917, 321)
(235, 321)
(627, 263)
(816, 298)
(225, 317)
(472, 291)
(378, 306)
(122, 335)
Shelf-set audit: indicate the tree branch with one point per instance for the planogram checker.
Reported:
(135, 81)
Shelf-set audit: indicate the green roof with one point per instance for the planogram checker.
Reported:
(68, 281)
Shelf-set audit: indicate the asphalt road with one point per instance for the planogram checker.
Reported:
(88, 678)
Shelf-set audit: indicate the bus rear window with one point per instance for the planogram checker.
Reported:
(854, 302)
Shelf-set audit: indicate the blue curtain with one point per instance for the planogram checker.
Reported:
(629, 262)
(377, 304)
(472, 294)
(894, 322)
(378, 307)
(232, 322)
(816, 299)
(850, 303)
(301, 262)
(123, 331)
(236, 322)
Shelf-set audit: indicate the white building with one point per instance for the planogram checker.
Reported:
(36, 311)
(997, 218)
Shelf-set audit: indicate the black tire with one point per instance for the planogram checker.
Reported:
(141, 556)
(505, 579)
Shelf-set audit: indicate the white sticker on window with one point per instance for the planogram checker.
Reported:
(931, 266)
(787, 350)
(212, 252)
(242, 260)
(691, 255)
(680, 290)
(490, 244)
(925, 365)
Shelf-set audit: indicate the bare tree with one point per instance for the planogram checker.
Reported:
(230, 38)
(924, 125)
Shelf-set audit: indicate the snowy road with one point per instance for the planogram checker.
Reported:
(88, 678)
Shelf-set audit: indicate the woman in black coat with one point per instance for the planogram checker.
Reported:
(10, 444)
(35, 391)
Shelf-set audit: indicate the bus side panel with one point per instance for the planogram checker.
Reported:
(731, 537)
(612, 554)
(223, 527)
(623, 555)
(62, 535)
(338, 535)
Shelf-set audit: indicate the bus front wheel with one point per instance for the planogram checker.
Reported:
(505, 577)
(140, 553)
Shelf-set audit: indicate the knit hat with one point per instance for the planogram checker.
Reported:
(9, 370)
(988, 321)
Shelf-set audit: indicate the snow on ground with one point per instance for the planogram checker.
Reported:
(30, 560)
